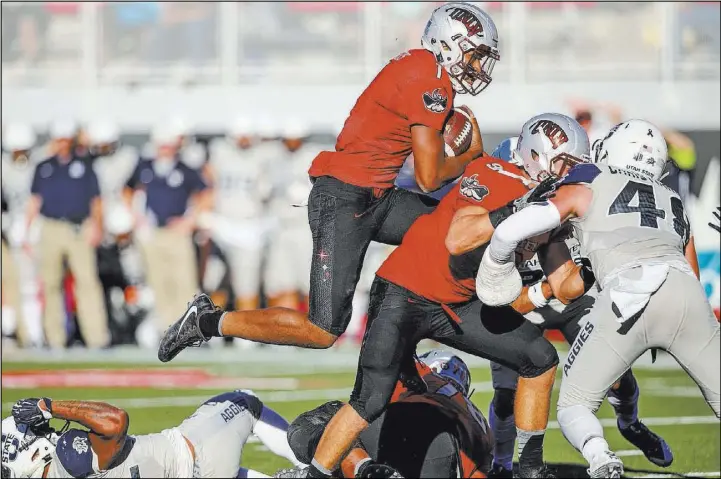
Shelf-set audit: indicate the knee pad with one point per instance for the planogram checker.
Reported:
(539, 357)
(305, 431)
(503, 400)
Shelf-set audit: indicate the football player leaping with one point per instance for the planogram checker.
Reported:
(569, 319)
(636, 234)
(209, 443)
(353, 200)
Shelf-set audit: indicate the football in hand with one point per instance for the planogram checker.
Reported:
(458, 132)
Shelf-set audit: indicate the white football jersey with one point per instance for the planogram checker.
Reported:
(241, 185)
(17, 179)
(165, 454)
(632, 220)
(291, 183)
(113, 172)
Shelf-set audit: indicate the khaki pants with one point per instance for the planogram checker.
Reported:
(59, 239)
(171, 272)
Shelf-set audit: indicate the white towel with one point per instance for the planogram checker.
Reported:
(635, 287)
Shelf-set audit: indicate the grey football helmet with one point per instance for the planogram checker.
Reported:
(550, 144)
(455, 30)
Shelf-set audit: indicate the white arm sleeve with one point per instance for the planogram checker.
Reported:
(527, 223)
(272, 430)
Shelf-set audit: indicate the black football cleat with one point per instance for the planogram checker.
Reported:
(185, 332)
(499, 471)
(651, 444)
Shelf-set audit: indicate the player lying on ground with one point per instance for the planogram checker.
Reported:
(550, 313)
(636, 235)
(437, 433)
(353, 200)
(421, 291)
(209, 443)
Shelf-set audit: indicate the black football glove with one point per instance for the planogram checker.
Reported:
(539, 194)
(28, 411)
(717, 225)
(370, 469)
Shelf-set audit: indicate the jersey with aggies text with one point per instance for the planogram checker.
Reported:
(421, 263)
(376, 139)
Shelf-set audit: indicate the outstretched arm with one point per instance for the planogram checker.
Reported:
(568, 201)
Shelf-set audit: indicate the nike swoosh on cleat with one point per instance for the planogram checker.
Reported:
(191, 311)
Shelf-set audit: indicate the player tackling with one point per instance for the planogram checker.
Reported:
(636, 235)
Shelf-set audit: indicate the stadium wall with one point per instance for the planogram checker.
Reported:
(504, 107)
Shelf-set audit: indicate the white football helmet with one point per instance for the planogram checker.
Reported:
(456, 29)
(25, 454)
(550, 144)
(18, 137)
(634, 145)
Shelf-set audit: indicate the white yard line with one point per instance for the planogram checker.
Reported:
(685, 474)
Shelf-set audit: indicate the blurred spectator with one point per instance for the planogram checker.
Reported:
(24, 25)
(174, 197)
(237, 224)
(587, 113)
(126, 27)
(287, 269)
(66, 194)
(18, 166)
(186, 32)
(682, 153)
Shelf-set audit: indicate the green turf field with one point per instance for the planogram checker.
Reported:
(670, 403)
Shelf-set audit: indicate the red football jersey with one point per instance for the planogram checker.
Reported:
(472, 432)
(376, 139)
(421, 263)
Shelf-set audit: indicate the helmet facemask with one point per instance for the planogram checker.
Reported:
(472, 74)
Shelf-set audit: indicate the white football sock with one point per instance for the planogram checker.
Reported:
(581, 427)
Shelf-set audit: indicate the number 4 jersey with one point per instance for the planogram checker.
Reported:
(632, 221)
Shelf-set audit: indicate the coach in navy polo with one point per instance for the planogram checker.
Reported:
(174, 196)
(66, 196)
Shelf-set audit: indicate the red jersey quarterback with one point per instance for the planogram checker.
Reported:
(353, 201)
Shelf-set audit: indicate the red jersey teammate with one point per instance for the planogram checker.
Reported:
(436, 433)
(353, 200)
(422, 291)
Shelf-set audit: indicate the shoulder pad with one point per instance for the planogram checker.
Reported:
(583, 173)
(75, 453)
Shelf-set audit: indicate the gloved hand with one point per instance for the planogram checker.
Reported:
(33, 412)
(371, 469)
(715, 226)
(539, 194)
(497, 284)
(298, 472)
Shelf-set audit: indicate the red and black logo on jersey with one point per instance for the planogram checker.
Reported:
(468, 19)
(471, 188)
(552, 130)
(436, 101)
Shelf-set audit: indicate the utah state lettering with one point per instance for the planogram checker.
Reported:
(230, 412)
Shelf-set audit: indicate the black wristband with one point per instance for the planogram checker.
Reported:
(498, 215)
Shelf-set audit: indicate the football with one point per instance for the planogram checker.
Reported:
(458, 130)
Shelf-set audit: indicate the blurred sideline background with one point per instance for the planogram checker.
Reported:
(245, 95)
